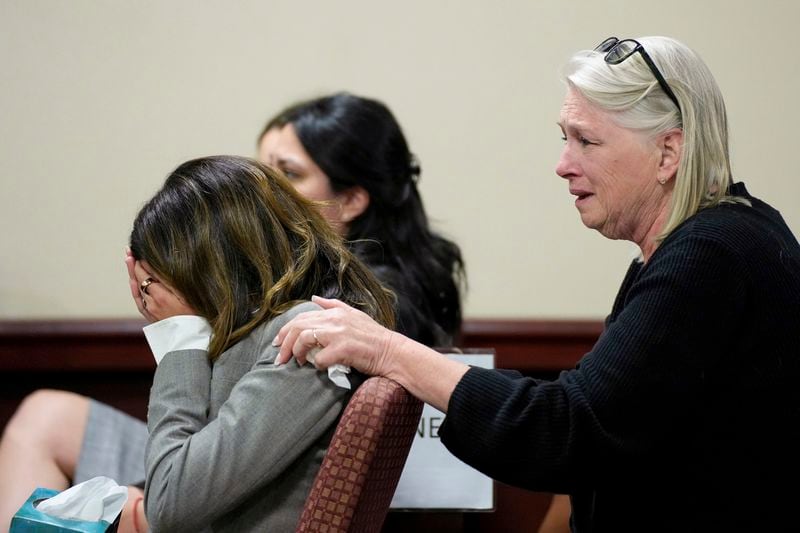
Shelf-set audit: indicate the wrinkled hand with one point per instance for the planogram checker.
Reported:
(160, 301)
(346, 336)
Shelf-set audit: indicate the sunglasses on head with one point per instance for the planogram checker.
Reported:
(617, 51)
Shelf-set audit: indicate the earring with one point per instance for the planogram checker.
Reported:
(662, 181)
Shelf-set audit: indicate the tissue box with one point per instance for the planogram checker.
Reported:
(29, 520)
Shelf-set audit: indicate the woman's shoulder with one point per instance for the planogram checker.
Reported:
(267, 330)
(296, 309)
(279, 321)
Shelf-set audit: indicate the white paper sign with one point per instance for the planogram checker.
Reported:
(433, 478)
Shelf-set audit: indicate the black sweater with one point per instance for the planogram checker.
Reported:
(685, 416)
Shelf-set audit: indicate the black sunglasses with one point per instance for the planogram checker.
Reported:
(618, 51)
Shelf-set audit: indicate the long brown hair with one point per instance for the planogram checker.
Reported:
(242, 246)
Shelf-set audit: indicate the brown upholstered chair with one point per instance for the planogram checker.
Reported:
(362, 466)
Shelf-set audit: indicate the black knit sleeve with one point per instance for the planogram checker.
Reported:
(635, 393)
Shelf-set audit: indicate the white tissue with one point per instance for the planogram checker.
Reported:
(99, 498)
(336, 373)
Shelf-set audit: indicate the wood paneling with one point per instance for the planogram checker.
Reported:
(533, 346)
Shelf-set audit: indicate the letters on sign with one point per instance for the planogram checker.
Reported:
(433, 478)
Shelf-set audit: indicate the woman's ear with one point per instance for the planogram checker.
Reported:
(352, 203)
(671, 146)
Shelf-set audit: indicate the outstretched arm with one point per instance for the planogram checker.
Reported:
(350, 337)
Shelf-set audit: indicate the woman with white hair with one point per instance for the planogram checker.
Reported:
(685, 415)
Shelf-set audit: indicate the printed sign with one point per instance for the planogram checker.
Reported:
(433, 478)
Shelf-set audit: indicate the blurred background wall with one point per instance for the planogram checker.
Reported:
(99, 100)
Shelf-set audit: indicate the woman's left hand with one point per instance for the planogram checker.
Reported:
(154, 299)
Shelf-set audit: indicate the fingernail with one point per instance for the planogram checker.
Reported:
(276, 342)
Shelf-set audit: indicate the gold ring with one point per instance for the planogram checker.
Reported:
(145, 284)
(314, 333)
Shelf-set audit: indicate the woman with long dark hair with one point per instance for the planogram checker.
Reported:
(350, 152)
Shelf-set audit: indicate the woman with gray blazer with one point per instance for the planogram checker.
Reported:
(221, 257)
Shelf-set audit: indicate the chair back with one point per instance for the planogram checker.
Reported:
(361, 468)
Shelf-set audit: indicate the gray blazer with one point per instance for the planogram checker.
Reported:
(235, 445)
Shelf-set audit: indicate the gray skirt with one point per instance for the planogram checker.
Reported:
(113, 446)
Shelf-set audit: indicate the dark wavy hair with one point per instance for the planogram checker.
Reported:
(356, 141)
(242, 246)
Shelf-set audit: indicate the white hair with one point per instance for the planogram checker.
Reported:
(630, 91)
